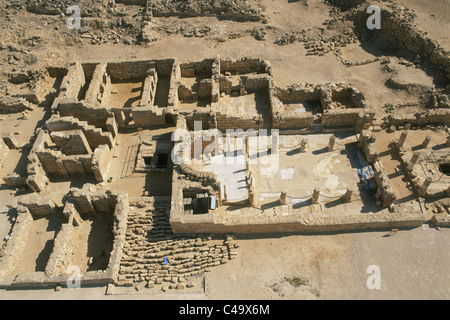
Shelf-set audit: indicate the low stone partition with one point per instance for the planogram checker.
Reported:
(245, 65)
(261, 223)
(441, 219)
(10, 104)
(4, 150)
(347, 119)
(99, 89)
(367, 144)
(419, 119)
(73, 82)
(244, 122)
(95, 136)
(39, 205)
(97, 116)
(197, 175)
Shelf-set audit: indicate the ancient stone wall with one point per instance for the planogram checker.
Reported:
(4, 150)
(146, 117)
(294, 223)
(101, 163)
(16, 243)
(99, 89)
(95, 136)
(245, 65)
(428, 117)
(10, 104)
(95, 116)
(73, 82)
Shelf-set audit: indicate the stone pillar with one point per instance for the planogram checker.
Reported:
(251, 198)
(11, 141)
(423, 188)
(426, 142)
(402, 138)
(247, 146)
(447, 144)
(283, 197)
(331, 143)
(362, 139)
(315, 196)
(348, 195)
(413, 161)
(303, 145)
(225, 197)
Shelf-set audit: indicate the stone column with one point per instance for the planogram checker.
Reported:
(283, 197)
(303, 145)
(426, 142)
(331, 143)
(251, 198)
(362, 139)
(402, 138)
(315, 196)
(423, 188)
(348, 195)
(413, 161)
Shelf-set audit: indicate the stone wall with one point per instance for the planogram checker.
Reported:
(4, 150)
(245, 65)
(428, 117)
(256, 83)
(149, 238)
(39, 205)
(385, 192)
(101, 163)
(95, 116)
(295, 223)
(244, 122)
(95, 136)
(15, 244)
(192, 69)
(355, 119)
(404, 34)
(99, 89)
(128, 70)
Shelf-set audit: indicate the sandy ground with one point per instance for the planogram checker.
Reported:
(412, 265)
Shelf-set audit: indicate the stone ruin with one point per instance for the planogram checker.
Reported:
(98, 102)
